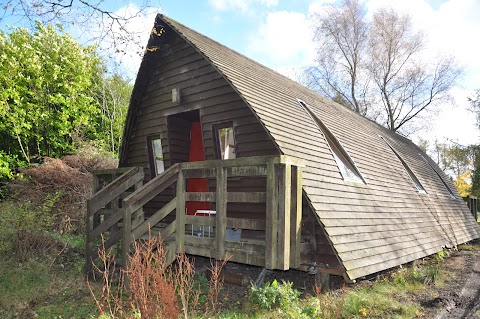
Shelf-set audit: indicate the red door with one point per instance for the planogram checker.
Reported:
(196, 184)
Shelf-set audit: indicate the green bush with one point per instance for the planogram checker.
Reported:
(264, 296)
(24, 227)
(273, 295)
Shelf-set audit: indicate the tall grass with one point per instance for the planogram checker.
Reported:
(150, 288)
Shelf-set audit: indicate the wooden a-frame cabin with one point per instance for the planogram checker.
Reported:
(224, 156)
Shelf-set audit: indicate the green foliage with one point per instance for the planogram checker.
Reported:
(475, 190)
(264, 296)
(23, 227)
(8, 163)
(46, 78)
(54, 92)
(36, 289)
(273, 295)
(113, 97)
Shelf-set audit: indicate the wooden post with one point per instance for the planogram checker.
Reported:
(95, 188)
(296, 217)
(322, 280)
(473, 208)
(88, 244)
(221, 214)
(284, 207)
(127, 234)
(271, 217)
(180, 214)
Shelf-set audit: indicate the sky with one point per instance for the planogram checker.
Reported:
(279, 34)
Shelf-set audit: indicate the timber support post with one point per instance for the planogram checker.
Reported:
(284, 203)
(271, 230)
(322, 280)
(221, 214)
(472, 205)
(296, 217)
(180, 213)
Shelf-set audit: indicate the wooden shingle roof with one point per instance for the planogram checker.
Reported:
(374, 226)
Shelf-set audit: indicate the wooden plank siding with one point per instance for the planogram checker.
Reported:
(363, 227)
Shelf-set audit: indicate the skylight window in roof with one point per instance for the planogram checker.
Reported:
(440, 177)
(345, 164)
(414, 178)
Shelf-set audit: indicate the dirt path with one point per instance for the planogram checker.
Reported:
(460, 296)
(467, 303)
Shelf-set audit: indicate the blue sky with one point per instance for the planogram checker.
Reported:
(278, 34)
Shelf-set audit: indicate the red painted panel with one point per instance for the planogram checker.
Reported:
(196, 154)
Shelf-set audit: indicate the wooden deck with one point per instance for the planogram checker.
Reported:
(116, 212)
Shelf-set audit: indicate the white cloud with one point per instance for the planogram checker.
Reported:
(244, 6)
(283, 40)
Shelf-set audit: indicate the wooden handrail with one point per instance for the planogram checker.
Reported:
(151, 189)
(114, 189)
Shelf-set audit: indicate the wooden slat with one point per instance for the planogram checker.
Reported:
(199, 241)
(111, 171)
(242, 162)
(244, 223)
(156, 185)
(200, 173)
(200, 220)
(201, 251)
(254, 248)
(246, 258)
(148, 224)
(246, 197)
(247, 171)
(109, 222)
(167, 231)
(200, 197)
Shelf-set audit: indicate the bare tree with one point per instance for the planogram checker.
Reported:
(340, 74)
(90, 17)
(407, 85)
(376, 67)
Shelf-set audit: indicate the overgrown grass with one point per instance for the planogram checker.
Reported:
(37, 289)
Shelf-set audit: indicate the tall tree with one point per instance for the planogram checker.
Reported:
(113, 98)
(46, 79)
(342, 34)
(475, 106)
(406, 84)
(387, 51)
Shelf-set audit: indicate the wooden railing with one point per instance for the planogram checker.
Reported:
(103, 208)
(277, 248)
